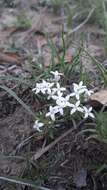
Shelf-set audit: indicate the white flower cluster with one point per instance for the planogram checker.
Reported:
(57, 93)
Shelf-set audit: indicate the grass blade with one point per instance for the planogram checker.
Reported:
(12, 93)
(21, 80)
(21, 181)
(17, 79)
(99, 66)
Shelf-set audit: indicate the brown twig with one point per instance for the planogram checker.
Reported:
(51, 145)
(82, 24)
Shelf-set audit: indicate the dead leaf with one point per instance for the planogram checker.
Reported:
(37, 26)
(99, 98)
(47, 59)
(7, 20)
(47, 56)
(43, 24)
(52, 30)
(69, 55)
(4, 57)
(41, 41)
(95, 50)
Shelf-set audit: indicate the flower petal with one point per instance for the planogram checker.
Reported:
(73, 111)
(92, 115)
(52, 117)
(80, 83)
(80, 109)
(77, 103)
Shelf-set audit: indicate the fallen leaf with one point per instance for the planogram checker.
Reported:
(69, 55)
(47, 59)
(99, 98)
(41, 41)
(4, 57)
(8, 20)
(43, 24)
(95, 50)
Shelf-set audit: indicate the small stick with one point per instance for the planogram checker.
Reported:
(82, 24)
(51, 145)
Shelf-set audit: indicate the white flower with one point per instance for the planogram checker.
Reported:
(43, 87)
(38, 125)
(78, 89)
(58, 89)
(51, 94)
(53, 111)
(63, 102)
(57, 96)
(38, 88)
(76, 107)
(76, 94)
(47, 85)
(88, 92)
(88, 112)
(56, 75)
(59, 110)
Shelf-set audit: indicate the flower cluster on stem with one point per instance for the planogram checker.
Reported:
(61, 99)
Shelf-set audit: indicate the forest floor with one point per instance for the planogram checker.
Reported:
(70, 162)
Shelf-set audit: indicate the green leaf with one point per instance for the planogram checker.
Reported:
(101, 125)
